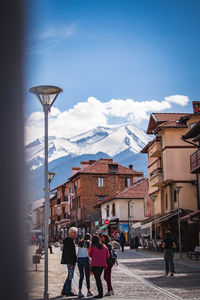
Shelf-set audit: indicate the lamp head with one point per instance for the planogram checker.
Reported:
(177, 188)
(46, 94)
(51, 176)
(153, 197)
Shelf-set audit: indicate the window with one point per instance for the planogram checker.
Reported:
(100, 181)
(113, 209)
(107, 211)
(127, 182)
(175, 198)
(101, 198)
(166, 201)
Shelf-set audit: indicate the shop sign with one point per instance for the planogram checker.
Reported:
(106, 222)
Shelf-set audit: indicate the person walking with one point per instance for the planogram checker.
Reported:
(122, 240)
(69, 258)
(136, 242)
(99, 254)
(84, 263)
(108, 269)
(168, 245)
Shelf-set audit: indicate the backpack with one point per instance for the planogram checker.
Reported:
(112, 260)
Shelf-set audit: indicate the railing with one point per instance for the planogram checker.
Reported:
(156, 172)
(195, 162)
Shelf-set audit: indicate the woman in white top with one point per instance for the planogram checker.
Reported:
(84, 263)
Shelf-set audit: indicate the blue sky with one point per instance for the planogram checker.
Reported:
(116, 60)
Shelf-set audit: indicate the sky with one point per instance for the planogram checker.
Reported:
(117, 61)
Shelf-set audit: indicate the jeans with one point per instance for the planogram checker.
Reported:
(169, 260)
(97, 275)
(107, 277)
(67, 287)
(84, 265)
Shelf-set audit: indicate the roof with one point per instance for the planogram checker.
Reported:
(139, 190)
(101, 166)
(171, 120)
(193, 132)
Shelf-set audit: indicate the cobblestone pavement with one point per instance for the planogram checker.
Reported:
(139, 275)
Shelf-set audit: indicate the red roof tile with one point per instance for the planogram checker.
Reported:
(101, 166)
(158, 118)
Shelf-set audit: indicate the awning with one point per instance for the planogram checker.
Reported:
(136, 225)
(191, 216)
(103, 227)
(147, 225)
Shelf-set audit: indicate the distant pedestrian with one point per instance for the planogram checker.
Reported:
(168, 245)
(50, 245)
(136, 242)
(122, 240)
(69, 258)
(108, 269)
(84, 263)
(99, 254)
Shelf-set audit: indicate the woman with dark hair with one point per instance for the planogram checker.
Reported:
(168, 245)
(99, 254)
(108, 269)
(84, 263)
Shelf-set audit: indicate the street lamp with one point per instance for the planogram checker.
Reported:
(177, 189)
(154, 214)
(47, 95)
(50, 178)
(129, 216)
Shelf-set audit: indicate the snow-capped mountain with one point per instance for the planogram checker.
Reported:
(110, 140)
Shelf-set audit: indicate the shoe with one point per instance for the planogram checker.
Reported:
(172, 274)
(89, 294)
(80, 295)
(166, 274)
(98, 296)
(110, 293)
(70, 294)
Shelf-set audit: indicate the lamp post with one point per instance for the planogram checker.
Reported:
(47, 95)
(177, 189)
(129, 217)
(50, 178)
(154, 214)
(76, 204)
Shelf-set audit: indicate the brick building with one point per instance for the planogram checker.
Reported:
(92, 183)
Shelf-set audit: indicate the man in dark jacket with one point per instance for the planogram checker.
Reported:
(69, 258)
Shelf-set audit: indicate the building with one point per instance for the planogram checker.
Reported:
(191, 222)
(60, 211)
(168, 168)
(90, 184)
(125, 208)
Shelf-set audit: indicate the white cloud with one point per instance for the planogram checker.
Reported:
(92, 113)
(178, 99)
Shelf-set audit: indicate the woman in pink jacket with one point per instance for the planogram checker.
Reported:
(99, 254)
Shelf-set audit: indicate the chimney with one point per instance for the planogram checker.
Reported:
(75, 170)
(131, 167)
(84, 164)
(196, 106)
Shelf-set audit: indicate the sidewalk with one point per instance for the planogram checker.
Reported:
(57, 273)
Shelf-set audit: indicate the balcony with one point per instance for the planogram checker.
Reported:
(155, 150)
(195, 162)
(156, 178)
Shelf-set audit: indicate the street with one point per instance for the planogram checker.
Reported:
(139, 275)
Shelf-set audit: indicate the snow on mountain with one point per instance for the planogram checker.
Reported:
(110, 140)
